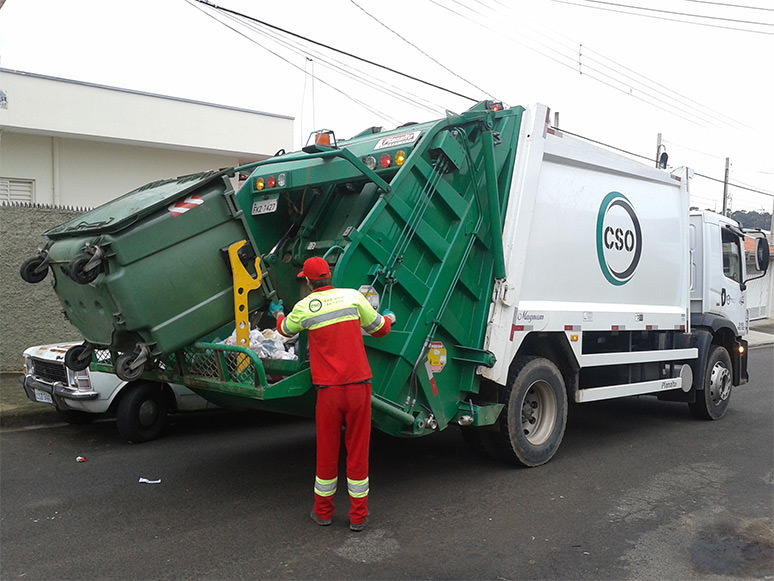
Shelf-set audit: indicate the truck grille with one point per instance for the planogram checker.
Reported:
(49, 371)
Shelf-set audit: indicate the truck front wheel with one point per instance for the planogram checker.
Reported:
(533, 420)
(142, 412)
(712, 401)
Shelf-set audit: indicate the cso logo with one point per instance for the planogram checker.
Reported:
(619, 239)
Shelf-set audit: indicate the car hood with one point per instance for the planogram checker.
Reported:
(55, 351)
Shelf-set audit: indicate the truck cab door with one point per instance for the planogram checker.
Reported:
(727, 294)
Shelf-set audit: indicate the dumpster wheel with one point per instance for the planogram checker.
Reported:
(87, 266)
(35, 269)
(78, 357)
(130, 366)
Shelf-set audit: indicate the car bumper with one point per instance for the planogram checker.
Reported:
(56, 389)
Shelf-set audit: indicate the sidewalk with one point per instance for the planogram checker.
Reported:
(16, 411)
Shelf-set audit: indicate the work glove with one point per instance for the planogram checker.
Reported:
(275, 309)
(390, 315)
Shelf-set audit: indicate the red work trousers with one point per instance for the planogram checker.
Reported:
(337, 406)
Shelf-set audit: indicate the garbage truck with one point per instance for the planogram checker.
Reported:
(528, 268)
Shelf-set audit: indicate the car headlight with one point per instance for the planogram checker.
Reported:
(81, 379)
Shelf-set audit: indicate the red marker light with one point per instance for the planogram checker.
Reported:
(271, 182)
(385, 160)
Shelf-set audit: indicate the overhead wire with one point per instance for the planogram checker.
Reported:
(745, 6)
(305, 39)
(353, 73)
(407, 41)
(662, 17)
(675, 13)
(294, 65)
(566, 55)
(349, 54)
(650, 88)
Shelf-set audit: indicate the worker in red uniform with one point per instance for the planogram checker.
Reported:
(341, 375)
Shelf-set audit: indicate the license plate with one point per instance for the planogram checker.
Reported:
(43, 397)
(264, 207)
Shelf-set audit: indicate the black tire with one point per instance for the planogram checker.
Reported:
(142, 411)
(75, 417)
(78, 357)
(533, 420)
(77, 272)
(32, 269)
(713, 399)
(124, 369)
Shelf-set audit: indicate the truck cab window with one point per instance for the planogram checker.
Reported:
(732, 258)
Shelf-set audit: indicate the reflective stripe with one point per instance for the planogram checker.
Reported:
(284, 328)
(376, 325)
(324, 487)
(350, 313)
(357, 488)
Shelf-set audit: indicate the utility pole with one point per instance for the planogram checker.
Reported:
(725, 190)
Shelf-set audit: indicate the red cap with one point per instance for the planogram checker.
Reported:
(315, 268)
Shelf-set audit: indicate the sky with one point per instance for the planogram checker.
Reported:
(614, 74)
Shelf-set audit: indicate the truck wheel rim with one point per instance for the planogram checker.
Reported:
(538, 412)
(720, 383)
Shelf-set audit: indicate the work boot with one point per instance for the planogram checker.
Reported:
(357, 527)
(323, 522)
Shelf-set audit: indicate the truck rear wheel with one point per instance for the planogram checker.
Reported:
(142, 411)
(712, 401)
(533, 420)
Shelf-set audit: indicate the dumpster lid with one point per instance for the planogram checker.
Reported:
(127, 209)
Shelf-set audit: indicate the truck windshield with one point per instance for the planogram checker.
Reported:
(732, 259)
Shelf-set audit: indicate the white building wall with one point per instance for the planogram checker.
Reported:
(86, 173)
(84, 144)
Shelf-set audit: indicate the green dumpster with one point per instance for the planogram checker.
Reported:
(148, 273)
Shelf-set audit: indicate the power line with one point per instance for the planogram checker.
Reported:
(361, 103)
(674, 13)
(663, 18)
(234, 13)
(372, 63)
(736, 185)
(744, 6)
(404, 39)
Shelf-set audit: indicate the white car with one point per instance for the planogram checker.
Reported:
(140, 407)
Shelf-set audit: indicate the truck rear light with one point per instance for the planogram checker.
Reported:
(260, 184)
(281, 180)
(495, 105)
(271, 181)
(385, 161)
(400, 157)
(370, 162)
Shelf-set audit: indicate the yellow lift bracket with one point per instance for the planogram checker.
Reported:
(243, 284)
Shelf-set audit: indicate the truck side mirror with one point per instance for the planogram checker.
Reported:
(762, 254)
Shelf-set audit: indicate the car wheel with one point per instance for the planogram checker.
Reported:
(142, 411)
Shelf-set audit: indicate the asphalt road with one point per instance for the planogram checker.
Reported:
(638, 490)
